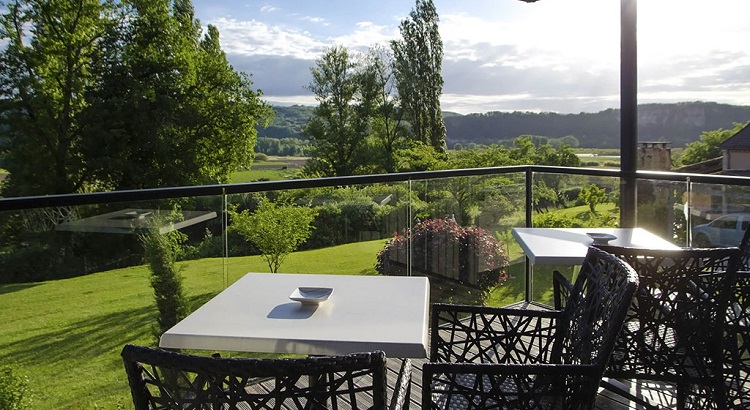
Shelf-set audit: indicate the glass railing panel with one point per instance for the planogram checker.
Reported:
(81, 289)
(662, 210)
(336, 230)
(718, 214)
(569, 201)
(462, 241)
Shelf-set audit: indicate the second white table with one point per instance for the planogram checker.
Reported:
(568, 246)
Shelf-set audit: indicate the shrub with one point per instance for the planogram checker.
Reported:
(276, 230)
(14, 390)
(445, 249)
(161, 251)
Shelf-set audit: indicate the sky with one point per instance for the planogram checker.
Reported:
(503, 55)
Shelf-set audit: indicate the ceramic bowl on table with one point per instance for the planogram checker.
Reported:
(309, 295)
(601, 238)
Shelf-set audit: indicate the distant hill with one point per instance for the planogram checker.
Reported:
(287, 122)
(679, 124)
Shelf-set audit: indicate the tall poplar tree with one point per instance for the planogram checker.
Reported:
(418, 64)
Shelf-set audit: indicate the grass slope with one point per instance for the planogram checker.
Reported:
(66, 335)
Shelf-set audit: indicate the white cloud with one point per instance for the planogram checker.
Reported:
(258, 38)
(366, 35)
(552, 55)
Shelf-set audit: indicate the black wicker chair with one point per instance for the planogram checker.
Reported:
(737, 342)
(677, 324)
(161, 379)
(483, 357)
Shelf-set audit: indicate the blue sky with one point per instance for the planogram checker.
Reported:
(504, 55)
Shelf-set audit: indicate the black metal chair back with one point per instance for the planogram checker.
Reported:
(161, 379)
(675, 328)
(485, 357)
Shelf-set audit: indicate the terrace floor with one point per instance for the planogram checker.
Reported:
(657, 394)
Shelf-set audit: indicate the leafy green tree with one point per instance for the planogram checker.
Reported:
(45, 72)
(275, 229)
(707, 147)
(418, 57)
(388, 128)
(196, 115)
(339, 125)
(100, 95)
(419, 157)
(592, 196)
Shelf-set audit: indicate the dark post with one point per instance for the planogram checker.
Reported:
(529, 204)
(628, 112)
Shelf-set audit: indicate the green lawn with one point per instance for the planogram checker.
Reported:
(66, 335)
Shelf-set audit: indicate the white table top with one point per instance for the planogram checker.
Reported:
(364, 313)
(568, 246)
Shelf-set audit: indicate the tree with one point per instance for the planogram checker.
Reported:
(45, 72)
(592, 196)
(389, 130)
(196, 115)
(707, 147)
(276, 230)
(418, 60)
(101, 95)
(160, 251)
(338, 128)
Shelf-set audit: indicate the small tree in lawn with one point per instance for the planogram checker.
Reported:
(275, 229)
(592, 196)
(161, 250)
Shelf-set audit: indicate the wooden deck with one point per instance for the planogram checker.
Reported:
(656, 394)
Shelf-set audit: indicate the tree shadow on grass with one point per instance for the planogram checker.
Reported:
(89, 337)
(15, 287)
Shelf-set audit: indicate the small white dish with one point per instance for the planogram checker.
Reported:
(601, 238)
(311, 295)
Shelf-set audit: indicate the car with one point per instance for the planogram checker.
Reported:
(726, 230)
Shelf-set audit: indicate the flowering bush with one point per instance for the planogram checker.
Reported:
(442, 247)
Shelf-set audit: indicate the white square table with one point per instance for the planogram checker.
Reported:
(568, 246)
(364, 313)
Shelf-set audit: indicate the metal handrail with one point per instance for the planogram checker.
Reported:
(31, 202)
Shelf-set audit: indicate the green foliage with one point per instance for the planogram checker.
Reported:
(418, 60)
(442, 248)
(14, 390)
(103, 95)
(389, 130)
(45, 72)
(275, 229)
(161, 253)
(554, 220)
(341, 120)
(287, 122)
(707, 147)
(419, 157)
(286, 147)
(592, 196)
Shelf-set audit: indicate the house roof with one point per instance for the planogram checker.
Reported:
(711, 166)
(738, 141)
